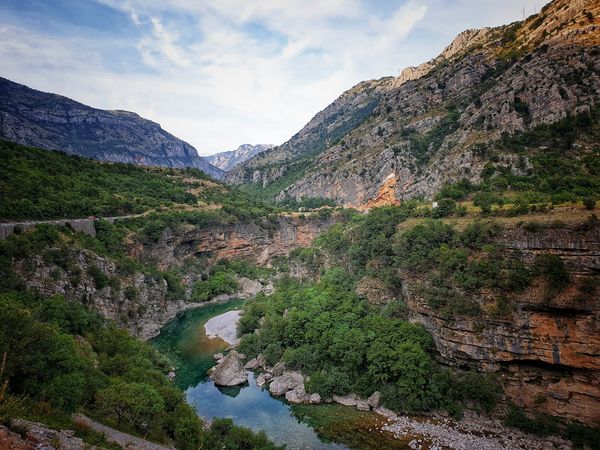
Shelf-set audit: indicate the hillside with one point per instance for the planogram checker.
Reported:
(39, 184)
(54, 122)
(439, 122)
(228, 160)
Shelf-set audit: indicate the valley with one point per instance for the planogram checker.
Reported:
(417, 268)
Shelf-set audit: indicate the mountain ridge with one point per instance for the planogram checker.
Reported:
(425, 126)
(55, 122)
(229, 159)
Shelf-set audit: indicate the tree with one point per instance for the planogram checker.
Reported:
(134, 403)
(445, 207)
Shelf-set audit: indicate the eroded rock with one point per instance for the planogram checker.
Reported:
(286, 382)
(230, 371)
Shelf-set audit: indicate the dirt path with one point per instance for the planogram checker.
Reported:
(126, 441)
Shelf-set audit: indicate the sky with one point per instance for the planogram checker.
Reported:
(221, 73)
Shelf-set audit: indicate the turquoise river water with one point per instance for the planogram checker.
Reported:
(296, 426)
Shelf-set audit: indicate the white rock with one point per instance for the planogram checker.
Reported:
(374, 399)
(286, 382)
(346, 400)
(252, 364)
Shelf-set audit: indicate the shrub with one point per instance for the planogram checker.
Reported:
(446, 207)
(589, 203)
(218, 283)
(135, 403)
(553, 268)
(100, 279)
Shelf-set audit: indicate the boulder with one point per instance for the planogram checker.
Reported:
(363, 405)
(286, 382)
(268, 376)
(262, 361)
(261, 380)
(346, 400)
(252, 364)
(230, 371)
(218, 356)
(374, 399)
(297, 395)
(278, 369)
(314, 398)
(386, 413)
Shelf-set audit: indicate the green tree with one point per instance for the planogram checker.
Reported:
(134, 403)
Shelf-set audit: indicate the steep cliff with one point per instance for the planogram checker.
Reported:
(547, 348)
(53, 122)
(426, 127)
(228, 160)
(135, 294)
(259, 242)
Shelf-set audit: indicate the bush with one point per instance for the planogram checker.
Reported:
(134, 403)
(553, 268)
(100, 279)
(589, 203)
(218, 283)
(445, 207)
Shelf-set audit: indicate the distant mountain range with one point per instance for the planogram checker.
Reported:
(227, 160)
(54, 122)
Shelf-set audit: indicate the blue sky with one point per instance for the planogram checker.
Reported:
(222, 73)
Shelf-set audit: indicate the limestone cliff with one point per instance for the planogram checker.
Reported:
(256, 242)
(426, 127)
(53, 122)
(547, 349)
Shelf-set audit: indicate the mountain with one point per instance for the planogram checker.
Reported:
(54, 122)
(227, 160)
(408, 136)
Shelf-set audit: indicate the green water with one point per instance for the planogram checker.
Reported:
(184, 341)
(297, 426)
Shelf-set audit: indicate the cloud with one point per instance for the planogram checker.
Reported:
(219, 74)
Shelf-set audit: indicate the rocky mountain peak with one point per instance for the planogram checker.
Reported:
(54, 122)
(228, 160)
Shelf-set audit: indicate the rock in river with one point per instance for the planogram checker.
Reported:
(286, 382)
(230, 371)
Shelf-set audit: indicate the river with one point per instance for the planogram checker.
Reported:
(297, 426)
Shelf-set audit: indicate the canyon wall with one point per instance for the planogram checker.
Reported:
(256, 242)
(141, 302)
(547, 349)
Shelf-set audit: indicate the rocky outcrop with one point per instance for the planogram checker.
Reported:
(228, 160)
(229, 371)
(547, 350)
(256, 242)
(53, 122)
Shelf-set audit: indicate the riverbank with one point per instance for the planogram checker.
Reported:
(468, 434)
(224, 326)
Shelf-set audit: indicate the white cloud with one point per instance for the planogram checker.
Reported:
(239, 71)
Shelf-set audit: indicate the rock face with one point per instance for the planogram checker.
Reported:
(53, 122)
(397, 138)
(256, 242)
(38, 436)
(139, 302)
(228, 160)
(230, 371)
(547, 351)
